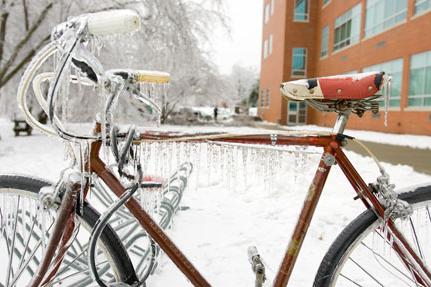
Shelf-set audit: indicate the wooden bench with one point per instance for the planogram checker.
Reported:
(21, 126)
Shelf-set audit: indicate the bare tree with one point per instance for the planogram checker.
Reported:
(25, 27)
(171, 39)
(242, 79)
(15, 48)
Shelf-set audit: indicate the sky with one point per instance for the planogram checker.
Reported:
(244, 45)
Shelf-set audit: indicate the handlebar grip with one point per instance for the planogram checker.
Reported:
(113, 22)
(142, 76)
(156, 77)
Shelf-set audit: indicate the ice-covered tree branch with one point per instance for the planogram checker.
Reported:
(18, 47)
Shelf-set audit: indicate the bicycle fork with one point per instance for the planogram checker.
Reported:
(408, 256)
(62, 231)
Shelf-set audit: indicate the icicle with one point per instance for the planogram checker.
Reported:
(268, 170)
(187, 156)
(387, 92)
(144, 157)
(43, 228)
(220, 168)
(56, 59)
(245, 153)
(88, 173)
(2, 214)
(158, 163)
(210, 162)
(208, 154)
(178, 154)
(98, 45)
(82, 158)
(65, 90)
(171, 158)
(235, 171)
(102, 117)
(223, 164)
(296, 171)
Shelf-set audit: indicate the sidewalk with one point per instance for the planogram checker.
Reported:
(419, 159)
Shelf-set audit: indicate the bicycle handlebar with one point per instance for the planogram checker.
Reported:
(67, 39)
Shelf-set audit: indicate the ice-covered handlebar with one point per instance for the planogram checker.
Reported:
(113, 22)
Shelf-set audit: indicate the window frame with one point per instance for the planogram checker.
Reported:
(352, 38)
(427, 69)
(379, 67)
(292, 70)
(421, 12)
(325, 28)
(264, 99)
(299, 111)
(265, 49)
(270, 44)
(374, 31)
(306, 14)
(266, 13)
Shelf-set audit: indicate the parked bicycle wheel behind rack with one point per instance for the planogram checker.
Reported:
(23, 222)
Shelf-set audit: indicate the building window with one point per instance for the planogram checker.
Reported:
(301, 11)
(267, 8)
(270, 45)
(383, 14)
(267, 47)
(347, 28)
(264, 98)
(272, 7)
(422, 6)
(325, 2)
(299, 62)
(395, 70)
(420, 80)
(297, 113)
(324, 42)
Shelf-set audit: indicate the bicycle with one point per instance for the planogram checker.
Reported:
(62, 208)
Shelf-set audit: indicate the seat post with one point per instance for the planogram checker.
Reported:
(341, 122)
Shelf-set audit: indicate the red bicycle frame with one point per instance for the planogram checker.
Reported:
(332, 153)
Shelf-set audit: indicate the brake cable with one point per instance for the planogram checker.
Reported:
(100, 226)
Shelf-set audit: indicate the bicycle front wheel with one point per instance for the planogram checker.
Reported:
(24, 231)
(362, 255)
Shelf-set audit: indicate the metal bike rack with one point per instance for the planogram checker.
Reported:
(129, 230)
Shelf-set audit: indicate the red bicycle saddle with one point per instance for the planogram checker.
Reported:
(340, 87)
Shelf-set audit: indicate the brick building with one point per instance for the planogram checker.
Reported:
(312, 38)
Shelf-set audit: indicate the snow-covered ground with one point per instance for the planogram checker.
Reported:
(222, 222)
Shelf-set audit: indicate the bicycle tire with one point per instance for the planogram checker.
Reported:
(352, 241)
(119, 261)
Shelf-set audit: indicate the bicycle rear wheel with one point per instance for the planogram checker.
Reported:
(362, 256)
(25, 227)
